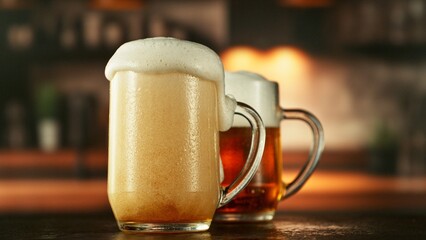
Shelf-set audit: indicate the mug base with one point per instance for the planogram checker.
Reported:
(135, 227)
(244, 217)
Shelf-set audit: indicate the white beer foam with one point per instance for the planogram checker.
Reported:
(256, 91)
(162, 55)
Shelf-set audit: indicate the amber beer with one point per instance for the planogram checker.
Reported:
(262, 195)
(259, 200)
(265, 189)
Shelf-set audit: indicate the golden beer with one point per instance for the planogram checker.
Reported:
(163, 148)
(167, 106)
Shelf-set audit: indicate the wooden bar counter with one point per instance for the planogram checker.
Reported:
(325, 191)
(338, 202)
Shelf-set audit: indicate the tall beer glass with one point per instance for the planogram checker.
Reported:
(167, 106)
(260, 198)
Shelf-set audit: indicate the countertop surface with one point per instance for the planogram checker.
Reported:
(340, 225)
(325, 191)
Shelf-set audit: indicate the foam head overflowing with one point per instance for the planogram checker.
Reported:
(256, 91)
(166, 55)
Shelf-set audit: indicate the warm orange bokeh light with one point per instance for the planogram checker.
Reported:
(278, 64)
(240, 58)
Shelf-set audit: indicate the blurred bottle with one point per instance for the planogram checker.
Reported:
(16, 131)
(114, 32)
(92, 22)
(135, 25)
(18, 29)
(370, 22)
(48, 126)
(417, 26)
(413, 147)
(157, 27)
(82, 119)
(397, 22)
(69, 36)
(20, 36)
(47, 27)
(384, 150)
(82, 127)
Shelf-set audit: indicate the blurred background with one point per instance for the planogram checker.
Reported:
(358, 65)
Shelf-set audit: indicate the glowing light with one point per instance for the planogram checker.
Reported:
(240, 58)
(279, 64)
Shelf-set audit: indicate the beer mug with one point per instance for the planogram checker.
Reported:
(167, 106)
(260, 198)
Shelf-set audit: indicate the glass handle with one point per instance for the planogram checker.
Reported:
(254, 157)
(315, 152)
